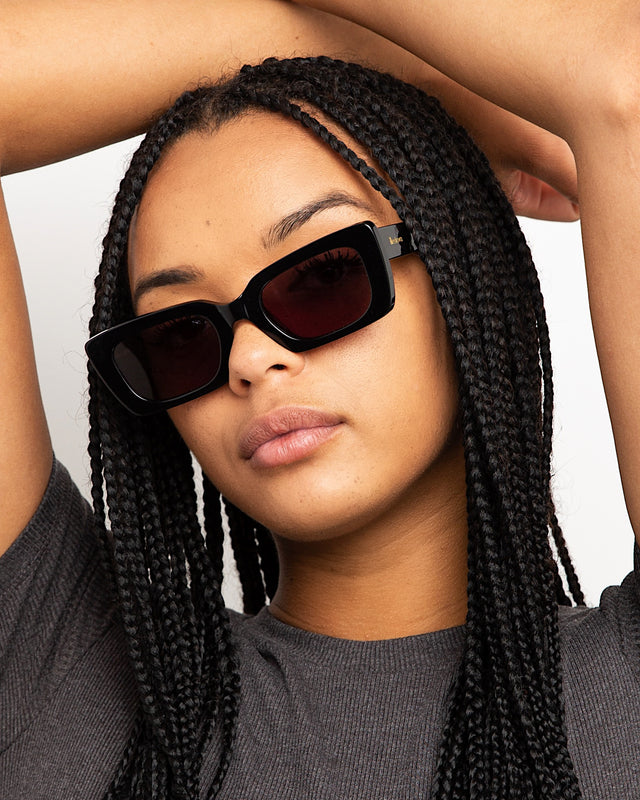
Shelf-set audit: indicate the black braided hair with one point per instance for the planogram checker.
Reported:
(504, 735)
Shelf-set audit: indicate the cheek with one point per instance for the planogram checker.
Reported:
(202, 424)
(411, 361)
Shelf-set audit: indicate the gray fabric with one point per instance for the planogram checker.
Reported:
(320, 717)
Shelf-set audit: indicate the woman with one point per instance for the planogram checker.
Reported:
(356, 495)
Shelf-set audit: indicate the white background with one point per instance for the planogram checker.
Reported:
(59, 216)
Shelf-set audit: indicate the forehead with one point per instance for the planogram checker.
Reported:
(213, 198)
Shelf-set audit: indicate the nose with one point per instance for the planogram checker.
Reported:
(255, 358)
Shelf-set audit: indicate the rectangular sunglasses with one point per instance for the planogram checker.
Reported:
(315, 295)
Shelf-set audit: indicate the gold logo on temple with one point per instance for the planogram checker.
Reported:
(395, 240)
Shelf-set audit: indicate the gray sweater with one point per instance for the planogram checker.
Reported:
(320, 718)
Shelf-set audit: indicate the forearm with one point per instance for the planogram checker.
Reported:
(25, 449)
(609, 174)
(78, 74)
(542, 60)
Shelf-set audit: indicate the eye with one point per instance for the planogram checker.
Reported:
(325, 269)
(175, 333)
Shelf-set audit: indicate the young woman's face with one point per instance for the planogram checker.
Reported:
(369, 416)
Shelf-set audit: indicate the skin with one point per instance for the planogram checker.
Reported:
(378, 504)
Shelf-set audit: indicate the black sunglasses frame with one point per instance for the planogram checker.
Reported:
(376, 246)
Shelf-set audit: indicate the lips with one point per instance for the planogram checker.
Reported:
(287, 435)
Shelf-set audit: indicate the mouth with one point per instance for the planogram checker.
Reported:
(287, 435)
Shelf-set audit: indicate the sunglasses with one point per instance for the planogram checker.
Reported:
(315, 295)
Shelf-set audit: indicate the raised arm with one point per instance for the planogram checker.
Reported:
(25, 450)
(572, 68)
(78, 74)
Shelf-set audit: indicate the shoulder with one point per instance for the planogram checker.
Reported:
(612, 628)
(62, 651)
(600, 650)
(62, 508)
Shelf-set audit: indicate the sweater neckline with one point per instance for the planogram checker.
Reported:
(439, 649)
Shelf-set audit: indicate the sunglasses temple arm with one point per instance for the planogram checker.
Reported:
(395, 240)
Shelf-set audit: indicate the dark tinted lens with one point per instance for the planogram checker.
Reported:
(170, 359)
(320, 295)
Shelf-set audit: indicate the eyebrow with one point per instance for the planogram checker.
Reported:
(276, 234)
(166, 277)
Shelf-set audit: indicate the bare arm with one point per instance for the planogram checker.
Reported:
(571, 68)
(76, 75)
(79, 74)
(610, 192)
(510, 51)
(25, 450)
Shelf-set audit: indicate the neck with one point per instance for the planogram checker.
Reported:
(401, 575)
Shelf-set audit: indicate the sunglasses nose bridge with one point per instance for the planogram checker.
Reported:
(233, 312)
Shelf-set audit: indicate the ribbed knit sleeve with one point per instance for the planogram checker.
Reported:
(66, 694)
(601, 666)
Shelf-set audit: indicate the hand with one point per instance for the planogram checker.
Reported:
(536, 169)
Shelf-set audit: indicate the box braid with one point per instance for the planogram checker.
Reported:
(504, 736)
